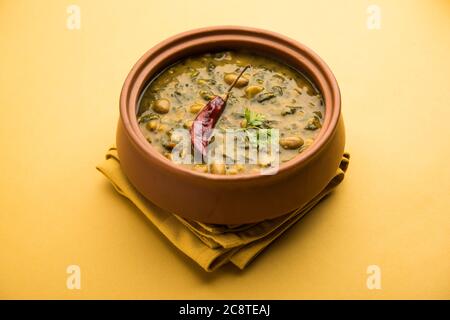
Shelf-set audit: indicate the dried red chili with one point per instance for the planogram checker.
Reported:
(207, 118)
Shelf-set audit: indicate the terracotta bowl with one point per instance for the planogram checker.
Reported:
(224, 199)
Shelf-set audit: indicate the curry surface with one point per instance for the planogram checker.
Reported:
(270, 95)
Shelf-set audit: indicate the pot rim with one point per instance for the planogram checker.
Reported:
(312, 64)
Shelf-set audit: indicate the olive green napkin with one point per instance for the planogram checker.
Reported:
(210, 245)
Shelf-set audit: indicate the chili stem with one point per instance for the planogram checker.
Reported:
(235, 81)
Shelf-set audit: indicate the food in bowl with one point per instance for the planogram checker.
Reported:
(226, 198)
(270, 99)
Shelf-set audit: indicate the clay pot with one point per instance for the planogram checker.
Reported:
(227, 199)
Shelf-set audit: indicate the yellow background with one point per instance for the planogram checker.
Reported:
(59, 93)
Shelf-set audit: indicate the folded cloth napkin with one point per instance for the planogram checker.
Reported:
(211, 246)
